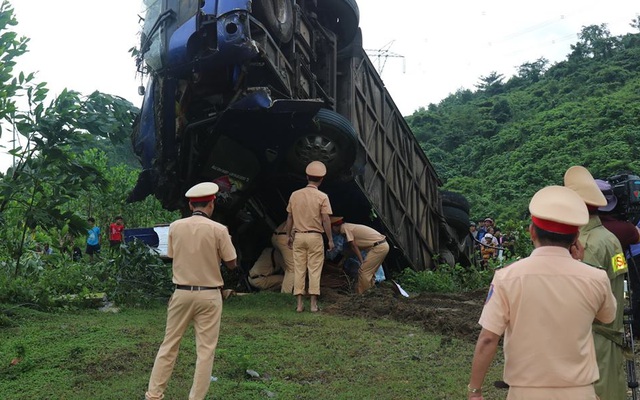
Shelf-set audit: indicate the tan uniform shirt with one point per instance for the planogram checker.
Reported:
(307, 206)
(197, 246)
(545, 305)
(363, 236)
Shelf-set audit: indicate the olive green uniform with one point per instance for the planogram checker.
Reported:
(602, 248)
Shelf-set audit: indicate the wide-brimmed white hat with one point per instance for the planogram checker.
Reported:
(579, 179)
(558, 209)
(316, 168)
(204, 191)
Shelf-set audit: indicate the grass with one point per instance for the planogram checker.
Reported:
(105, 356)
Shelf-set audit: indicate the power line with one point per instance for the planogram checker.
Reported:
(381, 55)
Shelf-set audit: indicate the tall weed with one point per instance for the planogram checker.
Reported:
(446, 279)
(135, 276)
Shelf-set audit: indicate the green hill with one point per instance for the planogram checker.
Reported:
(502, 142)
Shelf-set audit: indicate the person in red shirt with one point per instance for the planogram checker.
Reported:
(115, 232)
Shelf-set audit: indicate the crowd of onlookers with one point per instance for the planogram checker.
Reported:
(488, 242)
(68, 243)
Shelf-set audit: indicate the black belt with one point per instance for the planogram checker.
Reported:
(380, 242)
(196, 288)
(258, 276)
(279, 233)
(319, 233)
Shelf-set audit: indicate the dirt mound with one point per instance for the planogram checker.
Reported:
(453, 315)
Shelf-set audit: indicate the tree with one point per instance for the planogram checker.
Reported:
(11, 47)
(501, 111)
(635, 23)
(45, 175)
(104, 205)
(531, 72)
(491, 84)
(595, 42)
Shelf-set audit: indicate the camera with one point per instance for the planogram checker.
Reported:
(626, 188)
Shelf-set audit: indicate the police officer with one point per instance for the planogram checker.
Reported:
(603, 249)
(308, 218)
(545, 305)
(197, 246)
(363, 238)
(280, 241)
(266, 271)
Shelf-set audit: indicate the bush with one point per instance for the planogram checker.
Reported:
(445, 279)
(66, 278)
(49, 281)
(21, 290)
(136, 276)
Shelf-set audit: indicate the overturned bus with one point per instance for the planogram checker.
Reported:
(246, 93)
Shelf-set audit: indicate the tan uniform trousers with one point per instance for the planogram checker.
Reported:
(204, 308)
(569, 393)
(368, 269)
(308, 256)
(280, 242)
(271, 282)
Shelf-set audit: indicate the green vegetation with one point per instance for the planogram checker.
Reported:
(447, 279)
(131, 276)
(105, 356)
(501, 143)
(68, 165)
(496, 145)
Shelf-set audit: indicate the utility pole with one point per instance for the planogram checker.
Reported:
(380, 56)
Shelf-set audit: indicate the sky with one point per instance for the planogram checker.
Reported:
(432, 48)
(445, 46)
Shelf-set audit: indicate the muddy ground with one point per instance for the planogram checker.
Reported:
(451, 315)
(454, 315)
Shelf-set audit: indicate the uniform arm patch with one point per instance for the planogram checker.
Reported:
(619, 264)
(489, 294)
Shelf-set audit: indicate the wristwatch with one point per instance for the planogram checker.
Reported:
(473, 390)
